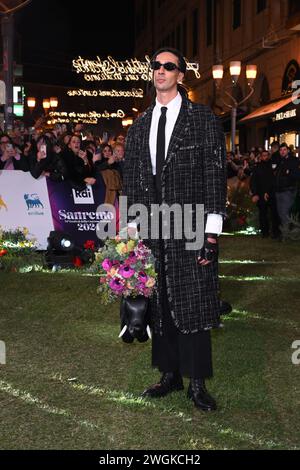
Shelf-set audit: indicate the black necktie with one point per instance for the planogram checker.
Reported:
(160, 148)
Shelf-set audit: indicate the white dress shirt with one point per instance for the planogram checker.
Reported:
(214, 223)
(172, 115)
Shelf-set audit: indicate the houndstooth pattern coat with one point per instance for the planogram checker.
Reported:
(194, 172)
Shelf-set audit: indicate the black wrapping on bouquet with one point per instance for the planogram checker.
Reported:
(135, 314)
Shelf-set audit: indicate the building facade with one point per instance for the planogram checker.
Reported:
(261, 32)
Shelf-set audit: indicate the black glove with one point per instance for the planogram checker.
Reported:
(209, 251)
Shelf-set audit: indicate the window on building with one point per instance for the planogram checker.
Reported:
(195, 20)
(209, 20)
(294, 7)
(237, 13)
(261, 5)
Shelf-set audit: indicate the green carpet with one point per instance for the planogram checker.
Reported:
(70, 383)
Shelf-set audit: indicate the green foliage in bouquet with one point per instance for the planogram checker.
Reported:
(126, 269)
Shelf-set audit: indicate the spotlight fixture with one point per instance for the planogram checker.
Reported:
(60, 241)
(61, 250)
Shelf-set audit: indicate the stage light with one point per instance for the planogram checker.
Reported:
(66, 244)
(61, 250)
(60, 241)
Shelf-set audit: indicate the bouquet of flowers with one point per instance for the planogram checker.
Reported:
(126, 270)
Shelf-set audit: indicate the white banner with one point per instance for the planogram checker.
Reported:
(24, 202)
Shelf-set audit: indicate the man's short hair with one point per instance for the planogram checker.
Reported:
(176, 52)
(283, 145)
(275, 143)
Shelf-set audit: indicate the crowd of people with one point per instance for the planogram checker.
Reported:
(273, 179)
(77, 155)
(62, 153)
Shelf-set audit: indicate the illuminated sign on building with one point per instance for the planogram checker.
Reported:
(287, 115)
(91, 117)
(18, 98)
(111, 69)
(133, 93)
(19, 110)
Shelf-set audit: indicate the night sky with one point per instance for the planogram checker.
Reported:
(53, 32)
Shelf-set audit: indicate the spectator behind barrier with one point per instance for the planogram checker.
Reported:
(44, 161)
(11, 157)
(79, 164)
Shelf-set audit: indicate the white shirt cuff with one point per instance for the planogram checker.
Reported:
(214, 224)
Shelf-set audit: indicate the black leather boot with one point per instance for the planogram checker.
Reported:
(169, 382)
(200, 396)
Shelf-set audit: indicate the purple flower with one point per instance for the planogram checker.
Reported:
(116, 285)
(147, 292)
(107, 265)
(132, 259)
(126, 271)
(143, 277)
(143, 290)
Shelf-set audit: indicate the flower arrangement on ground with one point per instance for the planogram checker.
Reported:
(17, 252)
(126, 270)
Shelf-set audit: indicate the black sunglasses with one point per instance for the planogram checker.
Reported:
(169, 66)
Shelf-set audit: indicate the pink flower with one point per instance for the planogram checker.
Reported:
(132, 259)
(143, 290)
(143, 277)
(117, 286)
(126, 271)
(107, 265)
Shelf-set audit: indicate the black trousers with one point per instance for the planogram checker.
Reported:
(264, 208)
(190, 354)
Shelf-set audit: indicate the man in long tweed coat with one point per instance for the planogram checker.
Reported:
(185, 306)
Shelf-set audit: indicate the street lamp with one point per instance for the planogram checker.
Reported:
(235, 69)
(53, 102)
(31, 102)
(46, 104)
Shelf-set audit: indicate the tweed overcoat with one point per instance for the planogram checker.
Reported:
(194, 173)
